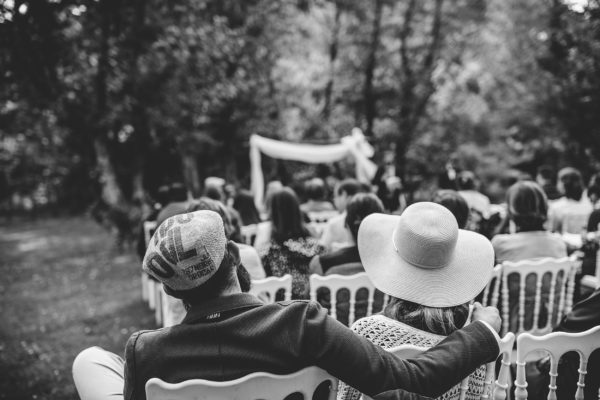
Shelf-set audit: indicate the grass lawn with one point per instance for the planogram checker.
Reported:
(63, 288)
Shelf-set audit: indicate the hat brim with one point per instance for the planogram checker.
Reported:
(459, 282)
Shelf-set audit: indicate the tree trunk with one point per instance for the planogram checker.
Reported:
(369, 97)
(191, 175)
(333, 52)
(111, 192)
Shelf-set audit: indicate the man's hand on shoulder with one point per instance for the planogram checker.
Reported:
(489, 315)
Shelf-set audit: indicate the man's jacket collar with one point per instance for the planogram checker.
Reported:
(213, 308)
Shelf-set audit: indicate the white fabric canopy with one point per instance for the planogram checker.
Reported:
(354, 145)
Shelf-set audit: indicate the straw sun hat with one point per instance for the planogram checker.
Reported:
(422, 256)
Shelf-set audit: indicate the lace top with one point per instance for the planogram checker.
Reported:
(292, 257)
(388, 333)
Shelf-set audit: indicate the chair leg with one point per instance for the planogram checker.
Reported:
(151, 294)
(159, 304)
(144, 286)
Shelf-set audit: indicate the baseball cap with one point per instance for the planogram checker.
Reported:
(186, 250)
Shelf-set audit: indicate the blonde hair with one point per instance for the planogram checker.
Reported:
(437, 320)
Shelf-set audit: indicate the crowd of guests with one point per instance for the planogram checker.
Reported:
(432, 258)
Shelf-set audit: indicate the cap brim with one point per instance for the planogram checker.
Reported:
(459, 282)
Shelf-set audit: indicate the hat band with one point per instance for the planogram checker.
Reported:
(411, 262)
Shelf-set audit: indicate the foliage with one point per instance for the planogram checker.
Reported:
(113, 98)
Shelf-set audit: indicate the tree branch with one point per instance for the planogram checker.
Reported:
(436, 36)
(404, 33)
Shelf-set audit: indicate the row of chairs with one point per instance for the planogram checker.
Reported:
(553, 287)
(268, 289)
(559, 272)
(262, 385)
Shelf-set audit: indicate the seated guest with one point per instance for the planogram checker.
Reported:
(244, 204)
(315, 194)
(227, 334)
(570, 213)
(431, 270)
(214, 188)
(584, 315)
(476, 200)
(346, 260)
(178, 202)
(546, 178)
(248, 255)
(291, 246)
(455, 203)
(527, 210)
(263, 229)
(590, 248)
(336, 234)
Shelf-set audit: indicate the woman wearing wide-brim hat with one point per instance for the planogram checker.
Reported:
(431, 270)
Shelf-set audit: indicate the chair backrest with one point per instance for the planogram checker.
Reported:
(491, 293)
(149, 228)
(249, 233)
(270, 286)
(498, 389)
(561, 270)
(337, 282)
(556, 344)
(258, 385)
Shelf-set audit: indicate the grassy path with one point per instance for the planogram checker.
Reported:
(63, 287)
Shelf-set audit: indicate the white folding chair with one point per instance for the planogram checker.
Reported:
(491, 292)
(556, 267)
(149, 228)
(249, 233)
(337, 282)
(258, 385)
(498, 389)
(555, 344)
(266, 289)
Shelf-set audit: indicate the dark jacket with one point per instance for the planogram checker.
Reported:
(584, 315)
(229, 337)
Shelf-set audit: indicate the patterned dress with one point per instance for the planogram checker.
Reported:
(388, 333)
(292, 257)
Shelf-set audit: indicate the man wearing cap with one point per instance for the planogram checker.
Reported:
(227, 334)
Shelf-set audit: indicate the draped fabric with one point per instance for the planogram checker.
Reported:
(354, 145)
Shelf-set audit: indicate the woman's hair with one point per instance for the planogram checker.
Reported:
(244, 204)
(286, 217)
(572, 183)
(315, 189)
(527, 206)
(454, 202)
(465, 180)
(359, 206)
(440, 321)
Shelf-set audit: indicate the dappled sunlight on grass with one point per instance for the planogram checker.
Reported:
(64, 287)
